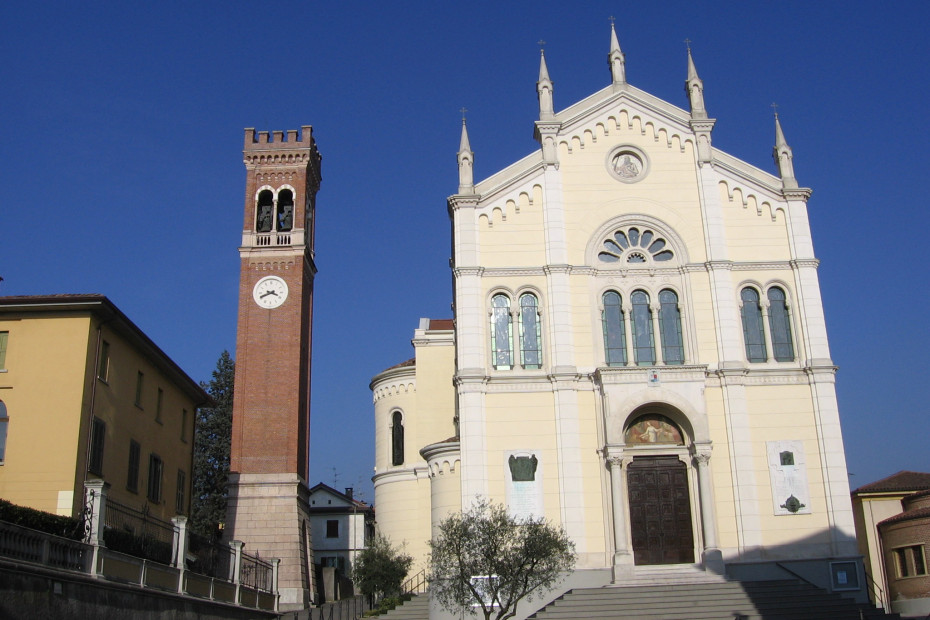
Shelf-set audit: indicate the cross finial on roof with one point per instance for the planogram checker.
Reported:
(688, 43)
(612, 19)
(463, 111)
(541, 43)
(774, 107)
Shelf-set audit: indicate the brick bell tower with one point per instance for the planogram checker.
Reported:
(268, 490)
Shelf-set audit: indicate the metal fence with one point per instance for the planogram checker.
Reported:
(255, 573)
(213, 557)
(137, 533)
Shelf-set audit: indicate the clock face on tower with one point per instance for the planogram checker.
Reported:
(270, 292)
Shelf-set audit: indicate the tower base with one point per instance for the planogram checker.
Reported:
(268, 512)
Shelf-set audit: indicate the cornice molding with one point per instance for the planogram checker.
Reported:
(797, 193)
(613, 375)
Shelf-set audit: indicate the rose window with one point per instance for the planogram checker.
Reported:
(632, 245)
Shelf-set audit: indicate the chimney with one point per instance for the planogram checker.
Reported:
(349, 492)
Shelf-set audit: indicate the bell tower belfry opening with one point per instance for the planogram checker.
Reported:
(268, 490)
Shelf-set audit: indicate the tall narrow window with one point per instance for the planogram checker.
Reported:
(285, 210)
(673, 351)
(780, 326)
(4, 337)
(614, 329)
(643, 342)
(140, 379)
(753, 332)
(530, 334)
(156, 468)
(180, 493)
(397, 438)
(4, 424)
(264, 215)
(103, 366)
(132, 469)
(501, 333)
(332, 528)
(98, 435)
(159, 400)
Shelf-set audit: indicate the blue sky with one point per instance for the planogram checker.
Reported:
(122, 172)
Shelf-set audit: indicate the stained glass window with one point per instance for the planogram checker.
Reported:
(753, 333)
(501, 333)
(530, 334)
(780, 326)
(673, 352)
(643, 343)
(614, 329)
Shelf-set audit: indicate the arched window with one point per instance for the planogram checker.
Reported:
(753, 330)
(780, 325)
(643, 343)
(614, 329)
(673, 352)
(264, 210)
(285, 210)
(397, 438)
(530, 334)
(4, 422)
(501, 333)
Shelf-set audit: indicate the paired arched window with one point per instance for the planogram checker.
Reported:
(755, 335)
(644, 320)
(4, 422)
(529, 332)
(270, 217)
(397, 438)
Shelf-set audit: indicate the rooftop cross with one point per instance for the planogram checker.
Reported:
(688, 43)
(774, 107)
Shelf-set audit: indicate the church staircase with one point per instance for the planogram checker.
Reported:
(717, 599)
(416, 608)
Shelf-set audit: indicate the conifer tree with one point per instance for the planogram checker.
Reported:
(211, 450)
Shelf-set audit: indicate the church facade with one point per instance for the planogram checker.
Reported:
(638, 354)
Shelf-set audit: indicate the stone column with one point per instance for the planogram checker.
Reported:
(711, 556)
(623, 557)
(628, 335)
(275, 563)
(767, 329)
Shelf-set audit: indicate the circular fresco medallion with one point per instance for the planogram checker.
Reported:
(627, 164)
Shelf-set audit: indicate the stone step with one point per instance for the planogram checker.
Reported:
(416, 608)
(781, 600)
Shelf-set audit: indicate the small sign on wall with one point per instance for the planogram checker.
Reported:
(788, 472)
(524, 484)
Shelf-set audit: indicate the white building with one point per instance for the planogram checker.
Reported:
(340, 526)
(639, 354)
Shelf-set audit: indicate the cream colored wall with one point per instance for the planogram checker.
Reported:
(43, 390)
(870, 510)
(115, 404)
(435, 394)
(48, 391)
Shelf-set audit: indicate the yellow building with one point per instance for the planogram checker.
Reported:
(85, 394)
(639, 354)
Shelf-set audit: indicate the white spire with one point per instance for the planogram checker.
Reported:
(615, 58)
(695, 89)
(466, 161)
(783, 157)
(544, 89)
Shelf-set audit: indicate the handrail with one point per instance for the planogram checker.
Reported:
(416, 584)
(801, 577)
(879, 592)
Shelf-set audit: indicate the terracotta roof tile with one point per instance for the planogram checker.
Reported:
(901, 481)
(920, 513)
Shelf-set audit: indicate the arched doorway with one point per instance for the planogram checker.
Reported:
(659, 497)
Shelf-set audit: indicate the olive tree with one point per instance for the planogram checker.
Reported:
(486, 558)
(380, 569)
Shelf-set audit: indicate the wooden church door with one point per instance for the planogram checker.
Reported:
(660, 511)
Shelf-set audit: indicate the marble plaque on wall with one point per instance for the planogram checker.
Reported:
(523, 471)
(788, 472)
